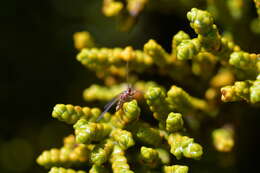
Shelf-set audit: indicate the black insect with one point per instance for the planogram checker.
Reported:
(120, 99)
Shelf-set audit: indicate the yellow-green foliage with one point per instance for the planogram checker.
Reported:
(70, 154)
(223, 139)
(111, 7)
(86, 132)
(175, 169)
(157, 53)
(106, 93)
(184, 146)
(100, 153)
(63, 170)
(174, 122)
(245, 61)
(83, 40)
(149, 157)
(146, 134)
(243, 90)
(123, 138)
(71, 114)
(153, 126)
(98, 169)
(119, 161)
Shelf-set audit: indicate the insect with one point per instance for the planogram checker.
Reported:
(120, 99)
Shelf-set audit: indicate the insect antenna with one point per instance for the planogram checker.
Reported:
(127, 74)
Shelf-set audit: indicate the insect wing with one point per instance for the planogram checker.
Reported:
(111, 102)
(107, 107)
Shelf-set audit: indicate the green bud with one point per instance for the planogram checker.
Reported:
(241, 90)
(155, 98)
(175, 169)
(83, 40)
(178, 38)
(193, 150)
(164, 156)
(187, 49)
(149, 157)
(87, 131)
(101, 152)
(184, 146)
(244, 61)
(201, 21)
(255, 92)
(144, 133)
(123, 137)
(159, 55)
(223, 139)
(63, 170)
(131, 110)
(174, 122)
(179, 99)
(98, 169)
(112, 8)
(119, 161)
(71, 114)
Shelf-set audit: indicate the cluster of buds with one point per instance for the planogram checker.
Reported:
(96, 143)
(113, 8)
(126, 141)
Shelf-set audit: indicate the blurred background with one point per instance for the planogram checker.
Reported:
(42, 71)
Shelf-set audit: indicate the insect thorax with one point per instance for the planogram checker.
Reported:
(127, 95)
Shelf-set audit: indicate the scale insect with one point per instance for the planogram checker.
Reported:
(120, 99)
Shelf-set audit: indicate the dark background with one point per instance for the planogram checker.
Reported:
(42, 71)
